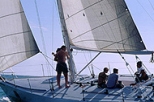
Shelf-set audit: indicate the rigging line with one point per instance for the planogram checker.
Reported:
(127, 64)
(89, 62)
(41, 32)
(52, 27)
(52, 42)
(145, 11)
(39, 21)
(53, 24)
(50, 83)
(57, 11)
(151, 4)
(92, 68)
(97, 68)
(137, 58)
(45, 56)
(109, 67)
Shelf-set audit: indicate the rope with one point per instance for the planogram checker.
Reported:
(97, 68)
(41, 32)
(138, 59)
(88, 66)
(109, 67)
(52, 43)
(151, 4)
(127, 65)
(89, 63)
(50, 83)
(45, 56)
(146, 10)
(43, 43)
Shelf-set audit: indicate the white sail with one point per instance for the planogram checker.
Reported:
(16, 40)
(101, 25)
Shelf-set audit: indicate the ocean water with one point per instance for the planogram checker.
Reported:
(3, 97)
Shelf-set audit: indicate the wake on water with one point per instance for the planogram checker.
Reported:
(3, 97)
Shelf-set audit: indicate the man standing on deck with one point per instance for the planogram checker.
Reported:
(61, 57)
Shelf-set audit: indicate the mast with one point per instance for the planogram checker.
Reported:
(71, 64)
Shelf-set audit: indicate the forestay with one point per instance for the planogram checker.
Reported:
(101, 25)
(16, 40)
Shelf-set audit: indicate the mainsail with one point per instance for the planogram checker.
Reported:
(101, 25)
(16, 40)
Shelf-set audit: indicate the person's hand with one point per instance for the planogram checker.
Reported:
(71, 49)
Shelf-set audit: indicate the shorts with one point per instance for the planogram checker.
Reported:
(61, 67)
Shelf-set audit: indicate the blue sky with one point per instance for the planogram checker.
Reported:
(142, 12)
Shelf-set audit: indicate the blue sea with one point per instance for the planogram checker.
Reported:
(3, 97)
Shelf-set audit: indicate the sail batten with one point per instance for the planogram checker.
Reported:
(16, 40)
(101, 25)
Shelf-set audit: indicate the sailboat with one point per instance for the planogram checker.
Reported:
(103, 26)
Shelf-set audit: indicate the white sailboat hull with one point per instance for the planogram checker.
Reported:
(39, 90)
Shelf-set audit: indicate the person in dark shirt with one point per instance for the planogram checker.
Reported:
(102, 78)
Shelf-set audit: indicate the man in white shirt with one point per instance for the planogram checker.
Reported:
(141, 73)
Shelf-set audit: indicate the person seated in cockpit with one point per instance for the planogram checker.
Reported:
(141, 74)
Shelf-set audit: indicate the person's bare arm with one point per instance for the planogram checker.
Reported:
(55, 57)
(67, 55)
